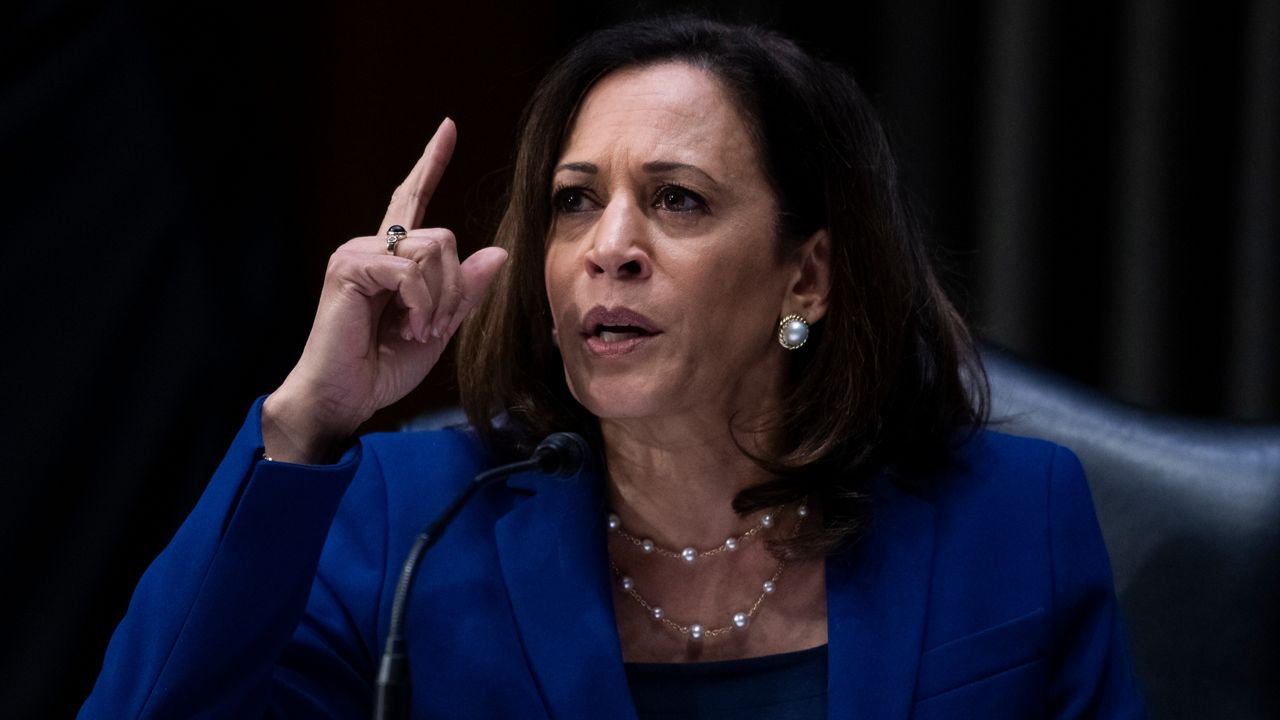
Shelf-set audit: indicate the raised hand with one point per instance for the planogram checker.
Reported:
(382, 323)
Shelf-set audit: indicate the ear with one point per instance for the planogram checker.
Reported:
(811, 280)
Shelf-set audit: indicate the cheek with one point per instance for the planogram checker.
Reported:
(556, 286)
(738, 331)
(735, 315)
(559, 287)
(741, 282)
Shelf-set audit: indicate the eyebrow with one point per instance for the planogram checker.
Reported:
(582, 167)
(653, 167)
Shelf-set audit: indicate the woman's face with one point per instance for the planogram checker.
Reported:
(662, 269)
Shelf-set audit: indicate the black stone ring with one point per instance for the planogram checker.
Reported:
(395, 234)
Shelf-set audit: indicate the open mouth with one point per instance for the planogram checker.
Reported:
(616, 331)
(619, 333)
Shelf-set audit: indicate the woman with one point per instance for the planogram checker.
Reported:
(710, 273)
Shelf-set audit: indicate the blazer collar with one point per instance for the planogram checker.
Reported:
(554, 557)
(877, 599)
(552, 548)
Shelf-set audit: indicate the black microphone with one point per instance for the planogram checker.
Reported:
(561, 454)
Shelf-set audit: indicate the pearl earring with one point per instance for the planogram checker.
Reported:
(793, 331)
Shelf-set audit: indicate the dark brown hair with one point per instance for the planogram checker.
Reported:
(889, 381)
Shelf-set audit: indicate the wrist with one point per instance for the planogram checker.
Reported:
(295, 430)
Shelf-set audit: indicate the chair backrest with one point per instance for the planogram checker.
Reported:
(437, 419)
(1190, 511)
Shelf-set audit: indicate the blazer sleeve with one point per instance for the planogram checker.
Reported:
(210, 630)
(1092, 675)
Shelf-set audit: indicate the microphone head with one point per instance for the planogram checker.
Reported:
(562, 453)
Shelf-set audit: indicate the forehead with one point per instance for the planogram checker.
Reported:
(672, 111)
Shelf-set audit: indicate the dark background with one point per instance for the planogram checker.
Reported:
(1101, 180)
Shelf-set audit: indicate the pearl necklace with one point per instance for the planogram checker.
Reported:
(698, 631)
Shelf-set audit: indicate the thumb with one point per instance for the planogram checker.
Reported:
(478, 272)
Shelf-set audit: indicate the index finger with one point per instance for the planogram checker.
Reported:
(409, 201)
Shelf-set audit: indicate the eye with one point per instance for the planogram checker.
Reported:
(569, 199)
(674, 198)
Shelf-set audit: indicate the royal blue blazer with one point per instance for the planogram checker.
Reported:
(988, 597)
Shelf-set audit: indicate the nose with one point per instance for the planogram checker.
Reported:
(619, 248)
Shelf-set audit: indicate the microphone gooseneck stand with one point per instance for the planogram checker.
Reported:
(560, 454)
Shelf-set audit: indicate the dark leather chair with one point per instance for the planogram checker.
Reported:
(1190, 510)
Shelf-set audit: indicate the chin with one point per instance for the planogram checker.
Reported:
(620, 398)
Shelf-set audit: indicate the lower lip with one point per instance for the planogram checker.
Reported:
(601, 348)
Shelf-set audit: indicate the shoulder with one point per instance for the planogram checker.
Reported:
(441, 449)
(994, 452)
(1005, 507)
(1010, 489)
(423, 466)
(1019, 590)
(1009, 517)
(996, 469)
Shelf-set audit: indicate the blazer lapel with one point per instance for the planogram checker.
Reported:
(877, 597)
(554, 561)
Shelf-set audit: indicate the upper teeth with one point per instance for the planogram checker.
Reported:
(615, 336)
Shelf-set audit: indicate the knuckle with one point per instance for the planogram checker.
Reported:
(405, 268)
(415, 283)
(337, 261)
(439, 235)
